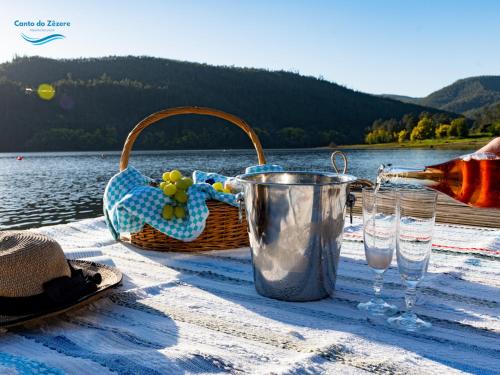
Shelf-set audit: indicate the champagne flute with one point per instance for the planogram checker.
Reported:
(417, 214)
(379, 235)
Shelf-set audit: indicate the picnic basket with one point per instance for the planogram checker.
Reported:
(223, 229)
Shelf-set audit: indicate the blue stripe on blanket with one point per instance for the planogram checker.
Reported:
(194, 362)
(462, 366)
(25, 366)
(115, 362)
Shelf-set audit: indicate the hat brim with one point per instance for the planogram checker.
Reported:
(111, 277)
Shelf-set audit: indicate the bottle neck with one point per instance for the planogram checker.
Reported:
(409, 176)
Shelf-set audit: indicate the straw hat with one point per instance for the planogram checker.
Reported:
(36, 279)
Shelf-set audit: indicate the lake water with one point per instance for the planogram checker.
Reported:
(54, 188)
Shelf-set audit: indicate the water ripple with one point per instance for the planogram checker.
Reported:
(54, 188)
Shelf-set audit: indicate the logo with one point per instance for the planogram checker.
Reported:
(43, 40)
(50, 27)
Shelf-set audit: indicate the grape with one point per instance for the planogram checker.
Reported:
(218, 186)
(168, 212)
(169, 190)
(184, 183)
(162, 185)
(175, 175)
(166, 176)
(180, 212)
(210, 181)
(181, 196)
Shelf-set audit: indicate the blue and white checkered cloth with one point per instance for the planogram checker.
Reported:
(130, 202)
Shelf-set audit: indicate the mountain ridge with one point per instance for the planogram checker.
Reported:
(401, 98)
(466, 96)
(99, 100)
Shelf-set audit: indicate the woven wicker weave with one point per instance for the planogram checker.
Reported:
(223, 229)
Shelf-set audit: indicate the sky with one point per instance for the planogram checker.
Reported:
(405, 47)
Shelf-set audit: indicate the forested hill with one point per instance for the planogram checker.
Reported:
(402, 98)
(468, 96)
(98, 101)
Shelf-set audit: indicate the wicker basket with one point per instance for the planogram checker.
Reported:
(223, 229)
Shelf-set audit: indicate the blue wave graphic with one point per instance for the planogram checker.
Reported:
(46, 39)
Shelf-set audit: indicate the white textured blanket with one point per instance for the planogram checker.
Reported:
(199, 313)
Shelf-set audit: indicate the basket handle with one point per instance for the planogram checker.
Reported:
(151, 119)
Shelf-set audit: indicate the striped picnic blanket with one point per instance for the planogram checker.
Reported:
(455, 238)
(199, 314)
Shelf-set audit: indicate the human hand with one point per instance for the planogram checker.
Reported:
(492, 147)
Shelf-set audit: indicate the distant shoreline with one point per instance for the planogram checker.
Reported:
(446, 144)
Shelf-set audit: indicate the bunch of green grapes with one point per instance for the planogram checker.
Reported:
(175, 186)
(219, 187)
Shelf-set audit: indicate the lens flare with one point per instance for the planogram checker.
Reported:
(46, 91)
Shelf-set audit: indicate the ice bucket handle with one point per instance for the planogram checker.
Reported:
(333, 158)
(351, 198)
(360, 182)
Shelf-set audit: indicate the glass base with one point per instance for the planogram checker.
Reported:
(409, 322)
(377, 306)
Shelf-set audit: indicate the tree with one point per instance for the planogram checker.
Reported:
(441, 118)
(370, 138)
(379, 136)
(461, 127)
(331, 137)
(391, 125)
(403, 135)
(442, 131)
(423, 130)
(488, 115)
(408, 121)
(293, 136)
(378, 124)
(452, 130)
(481, 127)
(495, 128)
(424, 114)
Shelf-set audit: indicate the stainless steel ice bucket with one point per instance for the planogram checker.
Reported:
(295, 221)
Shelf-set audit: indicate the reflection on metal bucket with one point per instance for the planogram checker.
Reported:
(296, 222)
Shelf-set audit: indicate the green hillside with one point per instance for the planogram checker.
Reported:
(467, 96)
(98, 101)
(402, 98)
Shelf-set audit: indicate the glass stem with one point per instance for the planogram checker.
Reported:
(378, 282)
(410, 298)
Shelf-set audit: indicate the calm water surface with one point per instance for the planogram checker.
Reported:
(54, 188)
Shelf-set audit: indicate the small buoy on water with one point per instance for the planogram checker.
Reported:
(20, 157)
